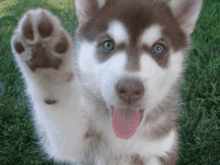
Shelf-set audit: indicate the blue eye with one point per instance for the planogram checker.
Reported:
(108, 46)
(158, 49)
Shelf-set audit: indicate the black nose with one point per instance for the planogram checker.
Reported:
(130, 90)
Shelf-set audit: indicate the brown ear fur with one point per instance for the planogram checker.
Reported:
(186, 12)
(86, 8)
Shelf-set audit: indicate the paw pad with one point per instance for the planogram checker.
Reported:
(42, 58)
(27, 28)
(18, 47)
(62, 45)
(45, 27)
(50, 101)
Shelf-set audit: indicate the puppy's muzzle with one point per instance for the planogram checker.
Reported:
(130, 90)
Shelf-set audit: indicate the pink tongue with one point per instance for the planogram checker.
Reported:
(125, 121)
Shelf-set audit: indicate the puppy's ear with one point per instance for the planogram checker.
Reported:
(186, 12)
(85, 9)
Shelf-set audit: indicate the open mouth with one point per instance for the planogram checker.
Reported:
(126, 120)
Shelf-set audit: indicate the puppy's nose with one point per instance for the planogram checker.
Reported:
(130, 90)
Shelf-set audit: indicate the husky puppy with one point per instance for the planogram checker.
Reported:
(111, 100)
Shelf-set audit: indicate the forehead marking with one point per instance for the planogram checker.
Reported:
(101, 3)
(118, 32)
(151, 35)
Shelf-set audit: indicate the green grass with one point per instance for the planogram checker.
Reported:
(199, 117)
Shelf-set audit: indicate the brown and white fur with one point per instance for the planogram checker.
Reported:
(73, 88)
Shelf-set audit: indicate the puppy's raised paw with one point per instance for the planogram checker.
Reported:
(40, 41)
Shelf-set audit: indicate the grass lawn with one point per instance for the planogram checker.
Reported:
(199, 112)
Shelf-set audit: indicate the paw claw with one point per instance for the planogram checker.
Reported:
(27, 28)
(45, 27)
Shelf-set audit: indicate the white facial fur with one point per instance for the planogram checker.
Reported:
(118, 32)
(156, 80)
(101, 3)
(151, 35)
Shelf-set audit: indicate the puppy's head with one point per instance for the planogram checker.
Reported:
(130, 53)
